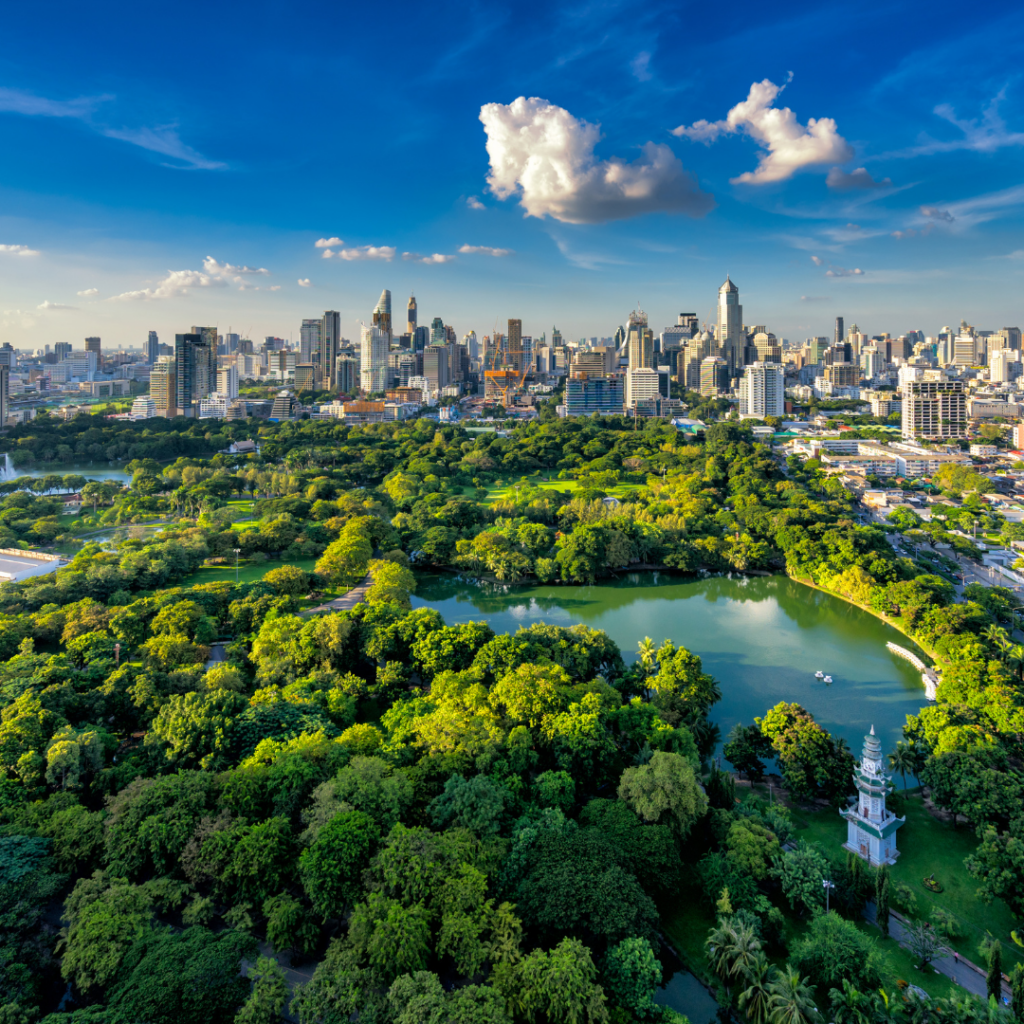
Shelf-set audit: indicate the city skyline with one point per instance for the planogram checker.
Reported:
(828, 168)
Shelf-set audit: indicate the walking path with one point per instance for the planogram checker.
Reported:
(958, 969)
(346, 601)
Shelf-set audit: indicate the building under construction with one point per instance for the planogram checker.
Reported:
(506, 365)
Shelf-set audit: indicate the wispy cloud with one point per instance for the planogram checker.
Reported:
(843, 272)
(88, 293)
(47, 304)
(162, 139)
(474, 203)
(485, 250)
(788, 145)
(640, 65)
(966, 213)
(165, 141)
(815, 298)
(19, 250)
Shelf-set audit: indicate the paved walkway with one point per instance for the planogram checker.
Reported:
(346, 601)
(217, 653)
(960, 970)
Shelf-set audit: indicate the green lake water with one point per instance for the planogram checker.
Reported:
(762, 637)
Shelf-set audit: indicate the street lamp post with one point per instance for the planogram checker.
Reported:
(237, 552)
(826, 885)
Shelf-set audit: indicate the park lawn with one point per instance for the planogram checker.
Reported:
(619, 490)
(247, 572)
(686, 921)
(928, 846)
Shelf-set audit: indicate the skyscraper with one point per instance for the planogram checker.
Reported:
(421, 339)
(192, 372)
(639, 341)
(731, 338)
(840, 332)
(94, 345)
(375, 344)
(309, 340)
(330, 336)
(152, 348)
(206, 369)
(382, 314)
(934, 408)
(410, 317)
(515, 344)
(5, 394)
(62, 350)
(438, 335)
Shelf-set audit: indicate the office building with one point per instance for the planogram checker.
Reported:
(766, 348)
(382, 315)
(62, 350)
(730, 335)
(143, 408)
(816, 348)
(1004, 365)
(934, 408)
(436, 368)
(5, 394)
(163, 388)
(346, 370)
(152, 348)
(639, 343)
(871, 361)
(374, 348)
(842, 375)
(94, 345)
(305, 377)
(714, 376)
(840, 333)
(515, 345)
(410, 317)
(227, 382)
(309, 340)
(330, 341)
(192, 372)
(966, 347)
(586, 396)
(438, 335)
(642, 385)
(677, 336)
(763, 391)
(421, 339)
(472, 346)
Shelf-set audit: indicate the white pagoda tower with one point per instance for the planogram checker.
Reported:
(871, 828)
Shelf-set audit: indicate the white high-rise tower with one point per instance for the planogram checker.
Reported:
(730, 335)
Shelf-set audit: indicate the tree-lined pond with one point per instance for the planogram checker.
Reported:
(762, 637)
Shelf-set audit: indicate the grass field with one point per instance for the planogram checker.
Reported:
(247, 573)
(619, 490)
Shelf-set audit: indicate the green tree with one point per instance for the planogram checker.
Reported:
(195, 729)
(791, 999)
(103, 921)
(330, 868)
(392, 583)
(475, 803)
(834, 949)
(346, 559)
(289, 925)
(922, 942)
(666, 788)
(882, 887)
(394, 939)
(268, 996)
(632, 975)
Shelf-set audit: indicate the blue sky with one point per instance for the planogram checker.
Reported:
(161, 167)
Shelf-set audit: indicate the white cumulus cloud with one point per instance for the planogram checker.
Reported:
(304, 282)
(19, 250)
(474, 203)
(485, 250)
(88, 293)
(328, 243)
(789, 146)
(545, 156)
(843, 181)
(362, 252)
(47, 304)
(179, 282)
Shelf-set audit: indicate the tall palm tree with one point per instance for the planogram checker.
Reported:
(647, 651)
(755, 999)
(733, 949)
(902, 760)
(791, 999)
